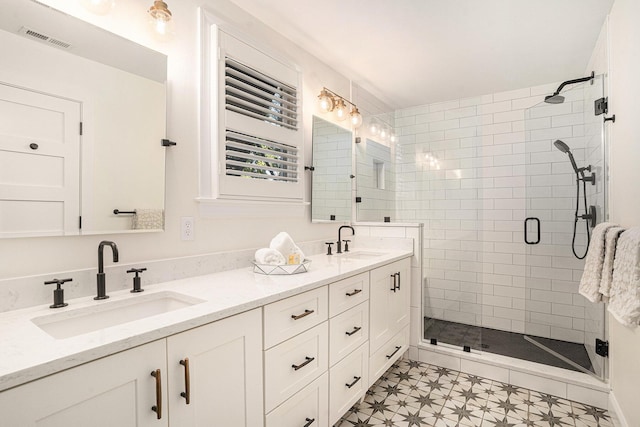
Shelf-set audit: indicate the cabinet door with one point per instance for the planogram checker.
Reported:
(117, 390)
(389, 302)
(224, 369)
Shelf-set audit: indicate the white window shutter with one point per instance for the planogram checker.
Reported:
(259, 133)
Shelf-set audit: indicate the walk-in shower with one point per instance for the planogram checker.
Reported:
(504, 160)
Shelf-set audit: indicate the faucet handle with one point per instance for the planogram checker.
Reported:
(58, 282)
(329, 247)
(136, 280)
(58, 293)
(346, 245)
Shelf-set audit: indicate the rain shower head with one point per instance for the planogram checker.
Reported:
(560, 145)
(558, 99)
(554, 99)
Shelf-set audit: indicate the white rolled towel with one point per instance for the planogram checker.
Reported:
(284, 244)
(268, 256)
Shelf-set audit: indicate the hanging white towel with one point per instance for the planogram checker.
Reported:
(624, 302)
(268, 256)
(284, 244)
(148, 219)
(610, 244)
(590, 281)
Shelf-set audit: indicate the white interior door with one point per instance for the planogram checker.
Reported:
(39, 163)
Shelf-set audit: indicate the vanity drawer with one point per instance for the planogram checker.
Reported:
(294, 363)
(391, 351)
(347, 293)
(309, 407)
(348, 331)
(348, 382)
(289, 317)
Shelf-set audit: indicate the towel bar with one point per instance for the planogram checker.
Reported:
(119, 212)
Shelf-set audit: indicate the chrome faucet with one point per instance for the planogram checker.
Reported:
(102, 293)
(339, 243)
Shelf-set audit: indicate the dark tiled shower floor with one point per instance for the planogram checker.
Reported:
(506, 343)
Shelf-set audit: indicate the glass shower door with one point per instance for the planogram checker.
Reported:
(564, 147)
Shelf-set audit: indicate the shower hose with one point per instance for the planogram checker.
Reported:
(577, 217)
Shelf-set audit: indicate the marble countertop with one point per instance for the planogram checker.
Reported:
(28, 353)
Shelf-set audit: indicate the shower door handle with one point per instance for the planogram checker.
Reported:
(526, 237)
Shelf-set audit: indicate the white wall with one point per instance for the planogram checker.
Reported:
(625, 191)
(21, 257)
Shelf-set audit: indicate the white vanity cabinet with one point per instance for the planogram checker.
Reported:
(117, 390)
(389, 315)
(218, 368)
(224, 384)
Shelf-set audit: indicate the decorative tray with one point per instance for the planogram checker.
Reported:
(281, 269)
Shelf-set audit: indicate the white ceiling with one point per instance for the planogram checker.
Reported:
(413, 52)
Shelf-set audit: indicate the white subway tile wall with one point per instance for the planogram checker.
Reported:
(376, 181)
(472, 170)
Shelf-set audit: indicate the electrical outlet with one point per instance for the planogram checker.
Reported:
(187, 230)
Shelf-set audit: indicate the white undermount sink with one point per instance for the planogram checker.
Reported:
(111, 313)
(361, 255)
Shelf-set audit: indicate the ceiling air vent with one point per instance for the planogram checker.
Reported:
(37, 35)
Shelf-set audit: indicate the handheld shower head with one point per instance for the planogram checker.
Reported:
(560, 145)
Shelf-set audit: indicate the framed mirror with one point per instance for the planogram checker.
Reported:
(331, 183)
(376, 179)
(82, 117)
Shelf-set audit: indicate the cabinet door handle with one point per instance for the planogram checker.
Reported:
(157, 408)
(300, 316)
(309, 422)
(355, 329)
(356, 379)
(394, 282)
(187, 381)
(355, 292)
(389, 356)
(398, 273)
(303, 364)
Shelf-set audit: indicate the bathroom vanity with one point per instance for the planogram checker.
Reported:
(232, 349)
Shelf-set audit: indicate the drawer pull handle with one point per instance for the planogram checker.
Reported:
(398, 273)
(309, 422)
(355, 292)
(300, 316)
(355, 380)
(395, 283)
(157, 408)
(303, 364)
(389, 356)
(187, 381)
(355, 329)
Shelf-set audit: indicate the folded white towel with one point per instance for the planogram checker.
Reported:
(624, 302)
(284, 244)
(592, 275)
(611, 241)
(268, 256)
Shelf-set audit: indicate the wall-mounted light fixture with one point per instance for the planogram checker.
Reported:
(329, 101)
(160, 19)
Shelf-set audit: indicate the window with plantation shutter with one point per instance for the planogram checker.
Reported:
(256, 123)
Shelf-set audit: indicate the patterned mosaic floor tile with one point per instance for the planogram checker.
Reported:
(415, 394)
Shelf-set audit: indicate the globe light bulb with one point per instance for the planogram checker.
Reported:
(325, 101)
(356, 118)
(374, 127)
(160, 21)
(341, 110)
